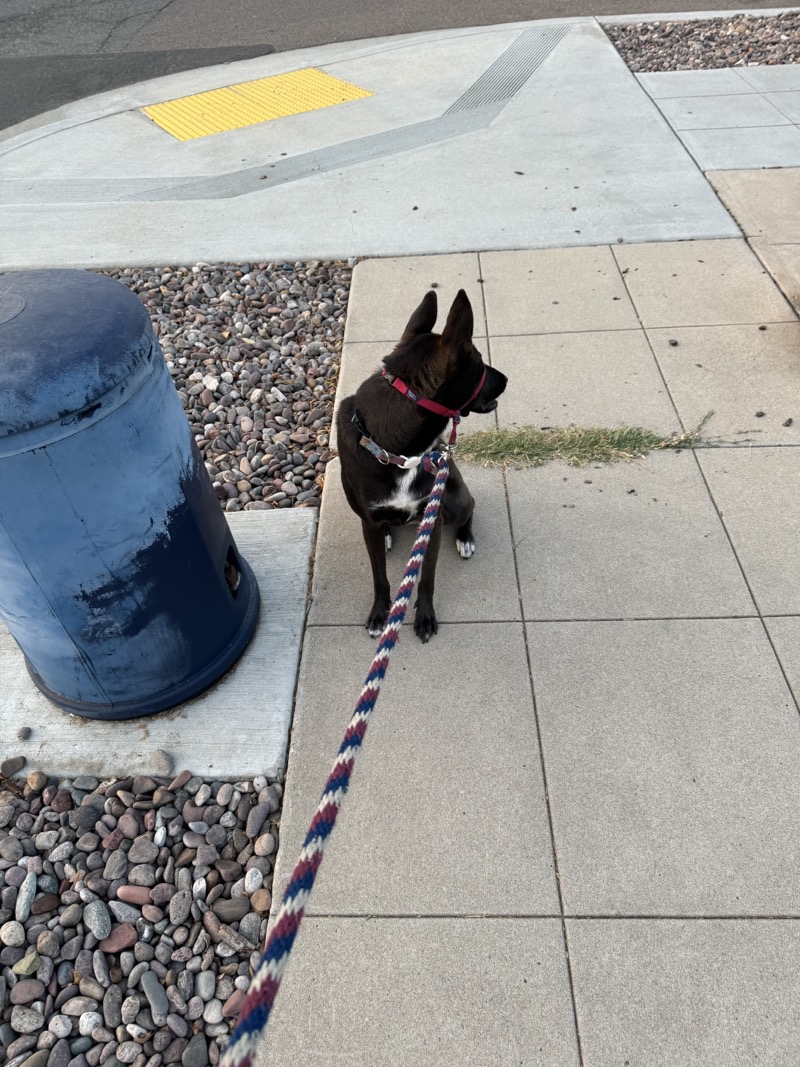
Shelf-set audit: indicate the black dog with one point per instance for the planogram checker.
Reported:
(388, 427)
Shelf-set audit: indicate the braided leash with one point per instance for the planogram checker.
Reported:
(257, 1006)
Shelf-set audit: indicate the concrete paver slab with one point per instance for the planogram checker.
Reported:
(407, 840)
(358, 360)
(757, 491)
(689, 993)
(763, 202)
(730, 119)
(454, 992)
(734, 372)
(606, 378)
(555, 290)
(670, 749)
(770, 79)
(481, 588)
(700, 283)
(761, 146)
(731, 111)
(784, 632)
(783, 263)
(664, 85)
(386, 291)
(788, 103)
(239, 726)
(625, 541)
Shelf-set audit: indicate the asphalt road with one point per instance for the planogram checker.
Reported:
(54, 51)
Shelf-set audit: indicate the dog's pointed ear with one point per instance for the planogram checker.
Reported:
(457, 333)
(424, 318)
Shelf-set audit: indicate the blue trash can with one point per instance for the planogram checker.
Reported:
(119, 577)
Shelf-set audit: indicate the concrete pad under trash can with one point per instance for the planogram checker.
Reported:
(236, 728)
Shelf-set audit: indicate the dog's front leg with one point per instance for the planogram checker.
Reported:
(425, 624)
(375, 540)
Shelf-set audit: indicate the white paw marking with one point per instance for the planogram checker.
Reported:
(388, 539)
(375, 631)
(466, 549)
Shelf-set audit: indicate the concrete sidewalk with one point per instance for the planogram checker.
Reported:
(470, 139)
(572, 833)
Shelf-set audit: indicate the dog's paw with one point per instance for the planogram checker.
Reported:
(465, 549)
(425, 626)
(376, 623)
(388, 541)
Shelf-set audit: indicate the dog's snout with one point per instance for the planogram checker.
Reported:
(497, 381)
(493, 387)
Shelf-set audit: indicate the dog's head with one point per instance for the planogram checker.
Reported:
(445, 367)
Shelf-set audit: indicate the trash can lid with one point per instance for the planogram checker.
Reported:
(66, 338)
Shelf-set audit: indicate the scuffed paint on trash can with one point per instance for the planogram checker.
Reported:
(119, 577)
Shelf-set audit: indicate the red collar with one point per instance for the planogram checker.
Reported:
(432, 405)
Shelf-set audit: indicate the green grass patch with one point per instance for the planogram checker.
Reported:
(574, 445)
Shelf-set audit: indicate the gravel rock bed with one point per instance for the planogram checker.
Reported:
(132, 913)
(254, 351)
(705, 44)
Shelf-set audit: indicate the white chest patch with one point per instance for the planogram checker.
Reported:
(402, 497)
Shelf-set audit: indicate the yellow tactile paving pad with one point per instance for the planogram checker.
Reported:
(245, 104)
